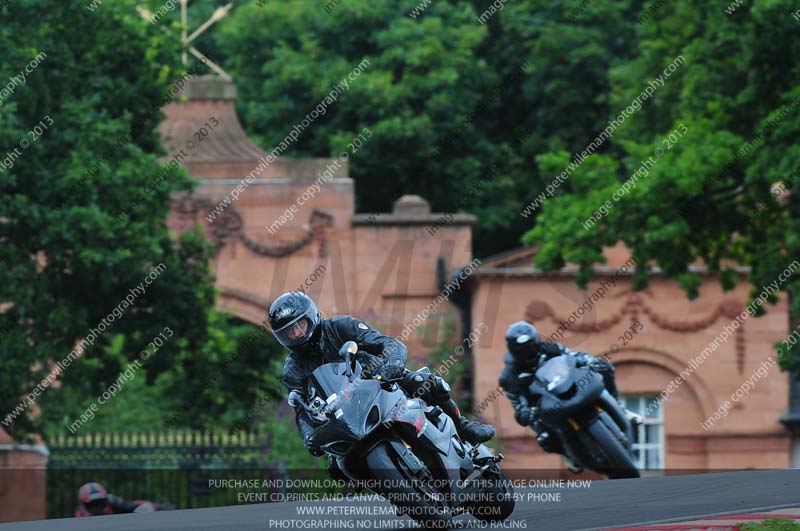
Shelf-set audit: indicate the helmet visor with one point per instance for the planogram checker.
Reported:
(295, 332)
(522, 346)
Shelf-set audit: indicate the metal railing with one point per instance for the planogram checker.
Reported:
(170, 467)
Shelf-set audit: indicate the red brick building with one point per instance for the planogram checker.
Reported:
(294, 225)
(681, 430)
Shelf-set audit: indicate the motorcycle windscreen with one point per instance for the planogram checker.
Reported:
(356, 410)
(329, 379)
(557, 374)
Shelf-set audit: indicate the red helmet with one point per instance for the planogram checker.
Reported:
(93, 497)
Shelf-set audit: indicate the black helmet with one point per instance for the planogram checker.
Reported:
(522, 340)
(294, 320)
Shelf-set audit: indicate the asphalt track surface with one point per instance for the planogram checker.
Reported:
(601, 505)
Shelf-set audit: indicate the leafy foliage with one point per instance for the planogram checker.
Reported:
(474, 117)
(770, 524)
(458, 108)
(88, 113)
(710, 196)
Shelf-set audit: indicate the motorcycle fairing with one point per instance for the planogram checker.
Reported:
(571, 399)
(377, 408)
(583, 388)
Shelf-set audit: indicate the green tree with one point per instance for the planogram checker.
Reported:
(420, 83)
(560, 104)
(770, 524)
(725, 122)
(81, 127)
(240, 367)
(459, 108)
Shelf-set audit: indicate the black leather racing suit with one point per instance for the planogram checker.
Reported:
(518, 396)
(335, 332)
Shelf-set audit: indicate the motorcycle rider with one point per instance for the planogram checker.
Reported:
(312, 341)
(526, 352)
(94, 500)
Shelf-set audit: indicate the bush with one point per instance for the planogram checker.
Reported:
(771, 524)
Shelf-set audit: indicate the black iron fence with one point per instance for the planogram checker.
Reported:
(174, 467)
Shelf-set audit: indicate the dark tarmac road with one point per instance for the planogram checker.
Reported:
(602, 504)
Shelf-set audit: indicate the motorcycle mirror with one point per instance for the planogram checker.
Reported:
(350, 347)
(294, 398)
(347, 351)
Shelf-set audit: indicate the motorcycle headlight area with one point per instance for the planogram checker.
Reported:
(317, 407)
(334, 405)
(339, 448)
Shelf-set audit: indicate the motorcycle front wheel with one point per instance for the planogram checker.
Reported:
(618, 463)
(413, 495)
(497, 497)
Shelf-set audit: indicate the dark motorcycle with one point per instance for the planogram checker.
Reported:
(574, 405)
(400, 447)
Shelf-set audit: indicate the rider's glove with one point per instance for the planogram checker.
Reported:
(370, 363)
(525, 415)
(391, 371)
(312, 447)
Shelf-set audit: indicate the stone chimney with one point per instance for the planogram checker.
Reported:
(411, 205)
(202, 132)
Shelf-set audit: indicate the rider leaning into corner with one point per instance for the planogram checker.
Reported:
(526, 352)
(312, 341)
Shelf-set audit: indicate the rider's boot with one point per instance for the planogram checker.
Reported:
(548, 443)
(634, 418)
(469, 430)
